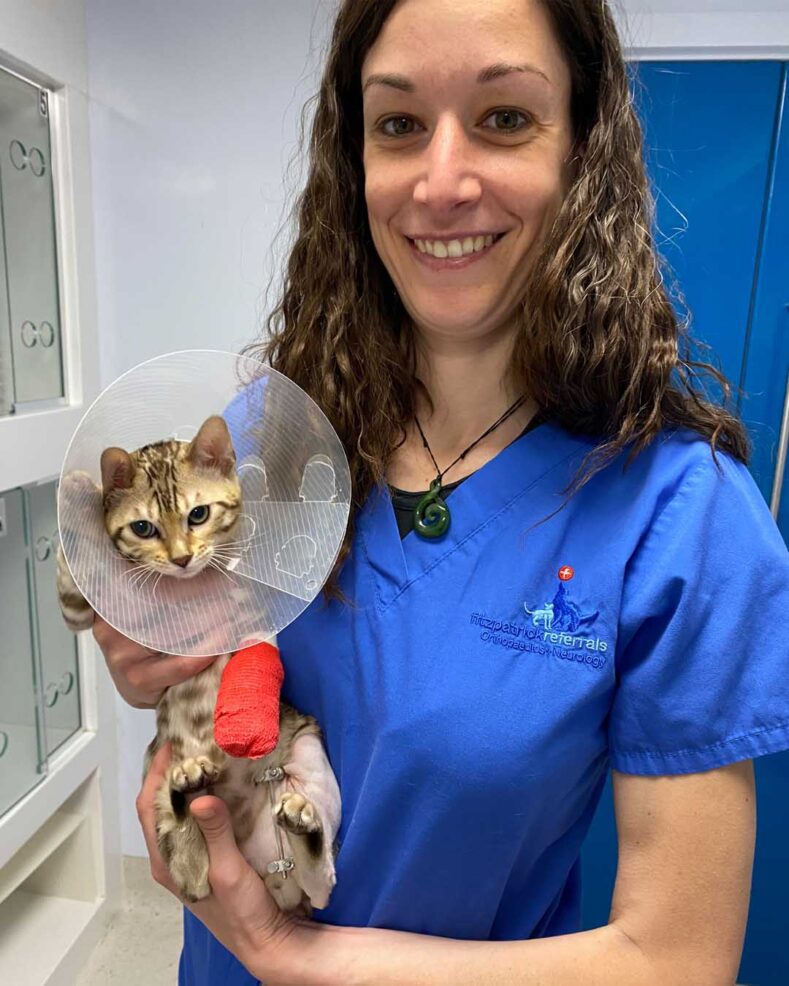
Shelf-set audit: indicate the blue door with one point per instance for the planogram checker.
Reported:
(766, 379)
(718, 157)
(766, 364)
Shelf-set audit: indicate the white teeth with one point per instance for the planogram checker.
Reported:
(454, 248)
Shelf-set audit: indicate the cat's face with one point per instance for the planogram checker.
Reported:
(172, 505)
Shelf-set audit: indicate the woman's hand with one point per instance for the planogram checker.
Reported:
(141, 675)
(240, 912)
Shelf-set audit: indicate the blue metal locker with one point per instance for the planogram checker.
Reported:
(708, 130)
(767, 359)
(722, 225)
(766, 379)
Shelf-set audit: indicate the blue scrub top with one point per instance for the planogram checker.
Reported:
(475, 697)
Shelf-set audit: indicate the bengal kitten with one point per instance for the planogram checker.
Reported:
(169, 506)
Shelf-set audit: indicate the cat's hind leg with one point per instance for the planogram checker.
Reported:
(181, 843)
(301, 820)
(309, 811)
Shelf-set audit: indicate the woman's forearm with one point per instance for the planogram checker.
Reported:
(334, 956)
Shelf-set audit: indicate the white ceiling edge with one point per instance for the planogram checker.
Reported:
(704, 34)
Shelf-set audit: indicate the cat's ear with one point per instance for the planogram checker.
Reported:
(212, 447)
(117, 469)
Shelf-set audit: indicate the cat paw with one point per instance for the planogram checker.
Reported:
(80, 477)
(193, 774)
(79, 481)
(296, 814)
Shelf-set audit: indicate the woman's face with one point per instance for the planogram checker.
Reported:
(467, 133)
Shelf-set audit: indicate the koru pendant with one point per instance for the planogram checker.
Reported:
(431, 514)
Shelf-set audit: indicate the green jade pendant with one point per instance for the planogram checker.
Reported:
(431, 514)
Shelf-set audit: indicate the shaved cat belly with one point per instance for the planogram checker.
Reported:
(307, 772)
(260, 847)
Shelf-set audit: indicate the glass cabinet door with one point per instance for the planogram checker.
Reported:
(57, 646)
(29, 241)
(6, 368)
(20, 756)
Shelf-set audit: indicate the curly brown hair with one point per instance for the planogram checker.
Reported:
(599, 345)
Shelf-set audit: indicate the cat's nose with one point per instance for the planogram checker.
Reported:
(182, 560)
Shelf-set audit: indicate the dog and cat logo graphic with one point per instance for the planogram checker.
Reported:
(561, 613)
(557, 626)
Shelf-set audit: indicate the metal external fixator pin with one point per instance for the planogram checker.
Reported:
(281, 865)
(271, 774)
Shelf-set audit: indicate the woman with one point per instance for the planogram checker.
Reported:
(473, 298)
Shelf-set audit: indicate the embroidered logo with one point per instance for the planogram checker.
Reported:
(558, 627)
(561, 613)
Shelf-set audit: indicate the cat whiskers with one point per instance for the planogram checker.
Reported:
(225, 556)
(238, 545)
(139, 575)
(141, 578)
(134, 569)
(156, 582)
(220, 568)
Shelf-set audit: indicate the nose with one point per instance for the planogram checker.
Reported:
(182, 560)
(450, 174)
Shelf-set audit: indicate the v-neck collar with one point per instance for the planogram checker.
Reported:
(395, 564)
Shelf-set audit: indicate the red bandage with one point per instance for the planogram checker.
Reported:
(246, 717)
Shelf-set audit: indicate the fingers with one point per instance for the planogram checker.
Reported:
(177, 669)
(139, 673)
(108, 638)
(151, 675)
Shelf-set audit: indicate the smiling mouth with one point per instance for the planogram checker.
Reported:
(454, 251)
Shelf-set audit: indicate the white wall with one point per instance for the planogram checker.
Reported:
(705, 28)
(194, 110)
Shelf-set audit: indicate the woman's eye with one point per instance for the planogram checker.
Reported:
(397, 120)
(143, 528)
(508, 118)
(199, 515)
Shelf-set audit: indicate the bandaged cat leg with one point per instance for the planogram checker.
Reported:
(246, 716)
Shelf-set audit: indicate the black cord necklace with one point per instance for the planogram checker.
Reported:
(431, 514)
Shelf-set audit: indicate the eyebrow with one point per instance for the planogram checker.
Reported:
(488, 74)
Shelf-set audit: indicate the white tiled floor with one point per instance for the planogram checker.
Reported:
(142, 944)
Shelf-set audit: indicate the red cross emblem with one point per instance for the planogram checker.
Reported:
(566, 573)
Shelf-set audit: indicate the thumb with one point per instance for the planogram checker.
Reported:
(227, 868)
(213, 817)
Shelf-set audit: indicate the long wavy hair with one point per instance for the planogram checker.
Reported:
(599, 345)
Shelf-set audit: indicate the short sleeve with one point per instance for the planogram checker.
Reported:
(702, 656)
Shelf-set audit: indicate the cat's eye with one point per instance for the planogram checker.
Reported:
(143, 528)
(199, 515)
